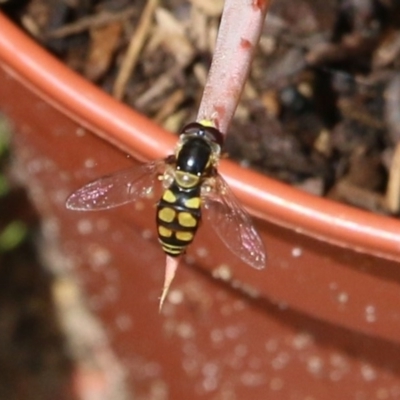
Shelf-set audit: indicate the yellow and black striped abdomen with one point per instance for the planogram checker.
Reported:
(178, 217)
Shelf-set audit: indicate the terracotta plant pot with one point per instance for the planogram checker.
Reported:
(325, 310)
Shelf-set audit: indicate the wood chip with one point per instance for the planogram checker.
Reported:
(157, 89)
(170, 105)
(198, 29)
(93, 21)
(174, 37)
(347, 192)
(135, 45)
(392, 108)
(212, 8)
(104, 43)
(323, 143)
(200, 72)
(175, 122)
(392, 198)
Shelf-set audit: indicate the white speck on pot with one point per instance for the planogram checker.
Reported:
(185, 330)
(84, 226)
(202, 252)
(297, 252)
(89, 163)
(210, 383)
(370, 313)
(98, 257)
(210, 369)
(210, 372)
(124, 322)
(314, 364)
(80, 132)
(175, 297)
(302, 340)
(238, 305)
(249, 290)
(343, 297)
(222, 272)
(280, 361)
(339, 362)
(368, 372)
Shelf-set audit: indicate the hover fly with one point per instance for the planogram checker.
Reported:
(192, 191)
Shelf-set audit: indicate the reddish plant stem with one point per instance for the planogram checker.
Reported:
(238, 35)
(239, 32)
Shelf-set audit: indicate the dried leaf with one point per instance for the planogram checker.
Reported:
(212, 8)
(174, 37)
(104, 43)
(135, 45)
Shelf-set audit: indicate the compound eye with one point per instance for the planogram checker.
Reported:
(198, 129)
(194, 128)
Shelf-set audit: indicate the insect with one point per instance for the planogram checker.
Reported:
(192, 191)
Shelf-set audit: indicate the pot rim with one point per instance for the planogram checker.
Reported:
(268, 199)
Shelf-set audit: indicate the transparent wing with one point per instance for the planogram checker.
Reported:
(117, 189)
(232, 223)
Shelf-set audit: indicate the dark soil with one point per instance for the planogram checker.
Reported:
(320, 110)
